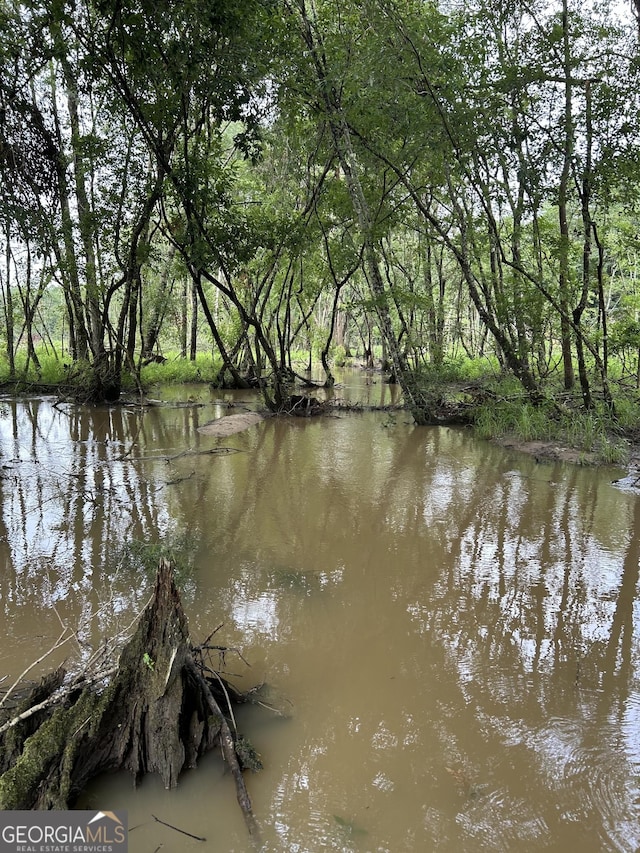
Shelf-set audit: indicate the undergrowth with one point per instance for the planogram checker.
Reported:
(177, 369)
(56, 372)
(591, 432)
(499, 406)
(52, 370)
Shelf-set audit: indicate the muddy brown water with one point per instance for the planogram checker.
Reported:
(452, 629)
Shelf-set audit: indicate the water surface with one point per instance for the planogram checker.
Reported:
(451, 628)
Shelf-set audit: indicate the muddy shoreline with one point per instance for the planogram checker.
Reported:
(554, 451)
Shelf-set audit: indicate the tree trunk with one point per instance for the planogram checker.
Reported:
(415, 399)
(193, 338)
(85, 221)
(66, 255)
(157, 713)
(8, 304)
(586, 255)
(563, 284)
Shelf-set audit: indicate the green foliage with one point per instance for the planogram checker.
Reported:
(223, 143)
(177, 369)
(612, 452)
(627, 409)
(593, 432)
(517, 417)
(56, 372)
(339, 355)
(462, 369)
(52, 369)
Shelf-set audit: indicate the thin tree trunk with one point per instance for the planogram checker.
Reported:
(85, 222)
(8, 304)
(415, 399)
(193, 336)
(184, 318)
(563, 189)
(78, 336)
(586, 255)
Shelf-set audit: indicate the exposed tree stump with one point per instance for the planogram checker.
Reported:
(156, 711)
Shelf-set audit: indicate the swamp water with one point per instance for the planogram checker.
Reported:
(452, 628)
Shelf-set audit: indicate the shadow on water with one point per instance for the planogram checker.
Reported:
(451, 628)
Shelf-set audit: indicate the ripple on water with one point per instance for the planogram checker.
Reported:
(584, 765)
(631, 729)
(587, 766)
(497, 821)
(328, 831)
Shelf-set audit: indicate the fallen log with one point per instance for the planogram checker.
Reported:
(155, 710)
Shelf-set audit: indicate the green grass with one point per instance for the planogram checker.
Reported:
(56, 371)
(180, 370)
(463, 369)
(500, 418)
(593, 432)
(52, 370)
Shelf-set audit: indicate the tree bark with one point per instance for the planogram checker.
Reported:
(154, 712)
(564, 279)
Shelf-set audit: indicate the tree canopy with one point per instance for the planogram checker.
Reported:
(289, 178)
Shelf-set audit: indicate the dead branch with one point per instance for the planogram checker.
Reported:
(228, 750)
(61, 641)
(177, 829)
(55, 698)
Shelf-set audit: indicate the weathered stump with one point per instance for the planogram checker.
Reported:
(155, 712)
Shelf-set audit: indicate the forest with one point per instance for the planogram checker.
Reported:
(437, 188)
(253, 195)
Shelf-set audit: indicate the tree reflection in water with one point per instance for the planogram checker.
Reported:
(457, 626)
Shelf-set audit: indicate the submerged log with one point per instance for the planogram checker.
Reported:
(155, 711)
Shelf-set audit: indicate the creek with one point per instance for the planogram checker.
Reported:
(452, 628)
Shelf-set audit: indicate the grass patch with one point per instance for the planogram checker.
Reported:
(181, 370)
(500, 418)
(52, 370)
(463, 369)
(56, 371)
(592, 432)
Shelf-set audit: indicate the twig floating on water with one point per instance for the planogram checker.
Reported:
(177, 829)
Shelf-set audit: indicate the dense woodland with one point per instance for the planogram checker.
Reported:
(281, 182)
